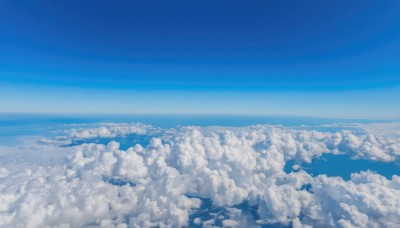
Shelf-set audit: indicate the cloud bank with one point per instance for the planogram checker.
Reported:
(168, 182)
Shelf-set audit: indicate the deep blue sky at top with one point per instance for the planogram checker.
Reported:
(272, 49)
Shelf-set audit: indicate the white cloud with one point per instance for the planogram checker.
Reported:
(109, 130)
(367, 200)
(161, 184)
(106, 130)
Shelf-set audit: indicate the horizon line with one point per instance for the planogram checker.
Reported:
(195, 114)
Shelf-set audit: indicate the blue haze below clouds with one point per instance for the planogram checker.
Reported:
(33, 124)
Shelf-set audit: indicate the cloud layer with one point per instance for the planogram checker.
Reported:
(170, 180)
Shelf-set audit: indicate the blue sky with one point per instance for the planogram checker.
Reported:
(315, 58)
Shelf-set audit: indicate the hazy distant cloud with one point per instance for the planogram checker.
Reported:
(108, 131)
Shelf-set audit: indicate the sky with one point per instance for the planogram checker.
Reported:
(312, 58)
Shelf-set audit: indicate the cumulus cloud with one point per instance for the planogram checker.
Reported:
(163, 183)
(106, 130)
(83, 192)
(367, 200)
(371, 147)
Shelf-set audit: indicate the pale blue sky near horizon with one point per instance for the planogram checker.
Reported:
(307, 58)
(364, 104)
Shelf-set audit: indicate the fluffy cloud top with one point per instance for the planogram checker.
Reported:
(164, 183)
(108, 130)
